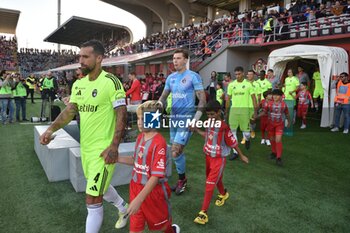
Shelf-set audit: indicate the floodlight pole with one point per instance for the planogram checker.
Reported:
(58, 20)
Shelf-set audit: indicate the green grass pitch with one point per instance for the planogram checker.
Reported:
(311, 193)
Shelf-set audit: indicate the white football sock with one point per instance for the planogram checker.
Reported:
(113, 197)
(246, 135)
(94, 218)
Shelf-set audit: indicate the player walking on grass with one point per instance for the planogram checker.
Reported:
(276, 111)
(100, 100)
(184, 85)
(240, 92)
(149, 189)
(304, 99)
(217, 146)
(291, 84)
(256, 89)
(264, 122)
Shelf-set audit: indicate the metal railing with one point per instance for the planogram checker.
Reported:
(326, 26)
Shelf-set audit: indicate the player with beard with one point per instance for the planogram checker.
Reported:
(100, 100)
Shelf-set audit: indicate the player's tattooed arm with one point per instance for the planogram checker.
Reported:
(65, 117)
(202, 100)
(110, 154)
(163, 97)
(119, 125)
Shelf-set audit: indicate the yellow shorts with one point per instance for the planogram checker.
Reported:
(318, 93)
(98, 174)
(239, 120)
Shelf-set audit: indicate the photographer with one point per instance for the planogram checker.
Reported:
(31, 82)
(5, 98)
(20, 96)
(49, 87)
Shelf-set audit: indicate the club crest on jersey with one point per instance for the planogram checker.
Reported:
(162, 151)
(94, 93)
(243, 86)
(183, 80)
(140, 154)
(211, 136)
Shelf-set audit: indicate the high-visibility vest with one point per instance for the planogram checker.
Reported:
(267, 26)
(20, 90)
(343, 93)
(48, 83)
(30, 82)
(219, 94)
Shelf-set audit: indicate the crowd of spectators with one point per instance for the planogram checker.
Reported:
(202, 39)
(8, 51)
(152, 86)
(34, 60)
(240, 26)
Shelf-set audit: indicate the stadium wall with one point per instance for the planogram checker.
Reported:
(229, 59)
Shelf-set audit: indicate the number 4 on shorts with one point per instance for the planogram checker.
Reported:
(97, 177)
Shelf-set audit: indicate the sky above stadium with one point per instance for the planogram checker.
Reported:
(38, 19)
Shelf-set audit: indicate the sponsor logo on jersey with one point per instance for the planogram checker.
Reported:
(179, 96)
(88, 108)
(142, 167)
(160, 164)
(94, 93)
(212, 148)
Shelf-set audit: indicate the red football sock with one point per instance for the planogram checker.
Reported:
(169, 229)
(207, 198)
(262, 134)
(273, 146)
(279, 149)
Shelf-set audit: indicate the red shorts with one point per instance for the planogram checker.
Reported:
(155, 209)
(214, 171)
(276, 128)
(263, 123)
(302, 110)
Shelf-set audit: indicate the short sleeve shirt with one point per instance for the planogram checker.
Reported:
(96, 101)
(183, 87)
(291, 84)
(317, 78)
(218, 141)
(264, 85)
(240, 93)
(150, 158)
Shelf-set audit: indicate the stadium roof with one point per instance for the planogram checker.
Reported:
(8, 20)
(222, 4)
(77, 30)
(126, 59)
